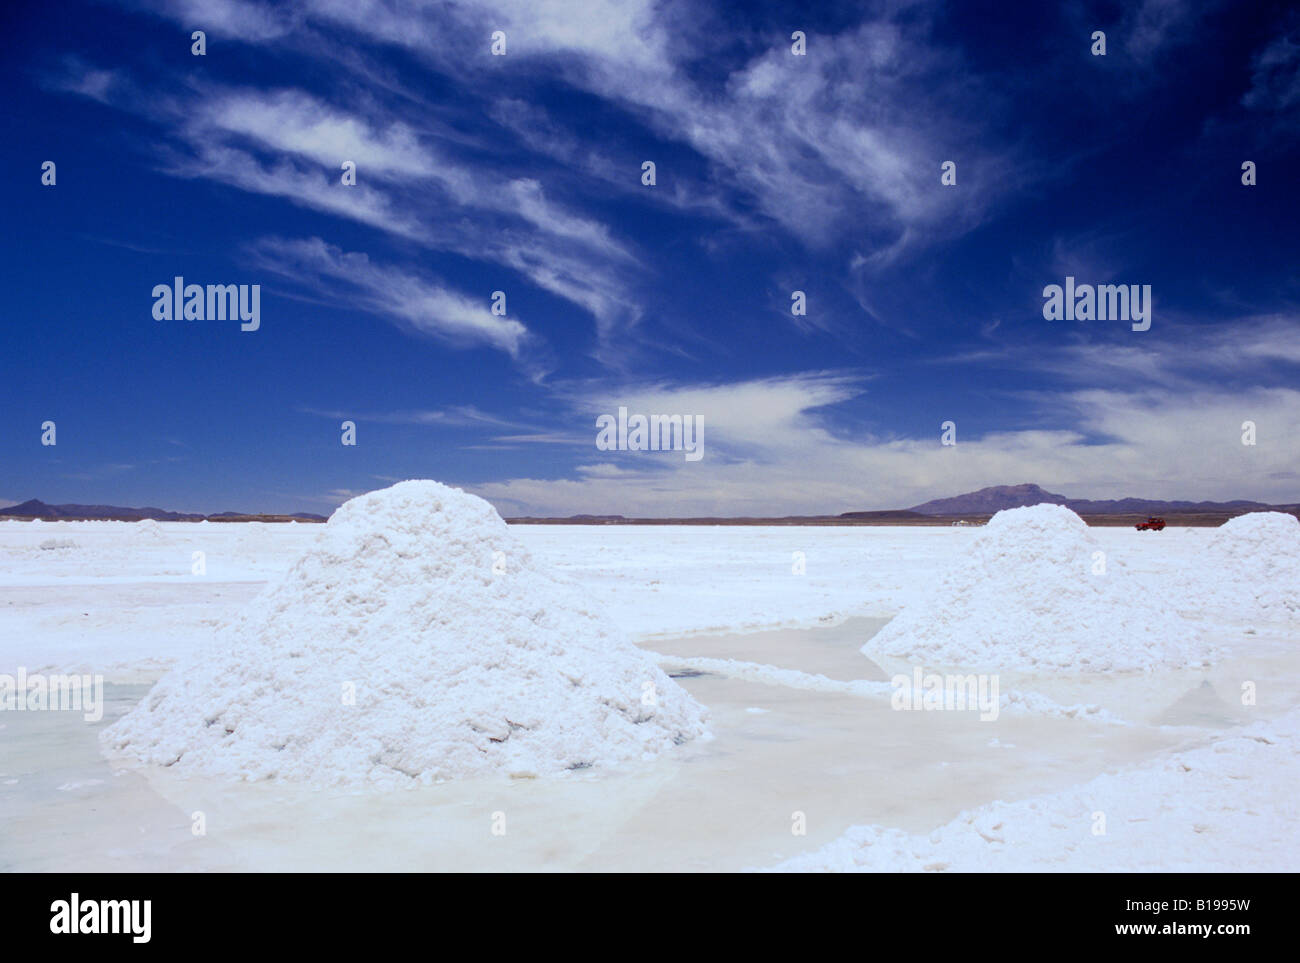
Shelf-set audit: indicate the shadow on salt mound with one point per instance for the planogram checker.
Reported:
(1033, 591)
(416, 639)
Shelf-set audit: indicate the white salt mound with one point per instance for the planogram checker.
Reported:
(1251, 570)
(466, 656)
(147, 530)
(1027, 595)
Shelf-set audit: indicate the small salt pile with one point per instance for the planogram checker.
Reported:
(1250, 570)
(1035, 591)
(415, 640)
(147, 531)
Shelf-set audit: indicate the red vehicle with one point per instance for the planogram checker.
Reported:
(1152, 524)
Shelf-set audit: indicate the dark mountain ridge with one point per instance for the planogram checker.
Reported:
(987, 501)
(35, 508)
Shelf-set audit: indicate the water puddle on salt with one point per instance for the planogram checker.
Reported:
(780, 755)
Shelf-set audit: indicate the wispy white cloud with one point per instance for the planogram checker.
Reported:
(1275, 80)
(77, 77)
(290, 145)
(1154, 443)
(298, 183)
(1153, 28)
(422, 304)
(334, 497)
(1176, 356)
(850, 135)
(453, 416)
(751, 416)
(295, 122)
(544, 438)
(246, 20)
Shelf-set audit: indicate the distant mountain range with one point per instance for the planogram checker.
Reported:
(972, 505)
(986, 501)
(35, 508)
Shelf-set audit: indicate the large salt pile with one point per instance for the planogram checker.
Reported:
(1034, 591)
(1251, 569)
(461, 653)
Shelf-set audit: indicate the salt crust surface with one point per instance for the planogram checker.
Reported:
(1218, 807)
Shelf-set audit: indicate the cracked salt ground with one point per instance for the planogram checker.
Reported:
(840, 759)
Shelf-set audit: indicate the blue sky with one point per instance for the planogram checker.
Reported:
(775, 173)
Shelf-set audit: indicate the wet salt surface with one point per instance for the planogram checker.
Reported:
(726, 804)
